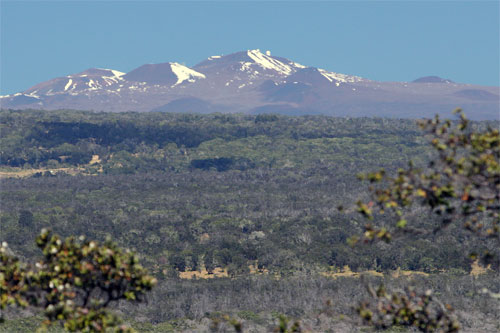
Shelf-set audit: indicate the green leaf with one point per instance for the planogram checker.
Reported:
(401, 223)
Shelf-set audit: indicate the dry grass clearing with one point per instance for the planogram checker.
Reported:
(13, 172)
(397, 273)
(21, 173)
(347, 272)
(204, 274)
(334, 273)
(477, 269)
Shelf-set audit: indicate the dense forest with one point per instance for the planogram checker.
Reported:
(253, 197)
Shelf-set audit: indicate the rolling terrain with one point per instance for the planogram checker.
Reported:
(231, 213)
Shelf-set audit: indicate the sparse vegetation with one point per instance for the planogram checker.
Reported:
(251, 196)
(461, 185)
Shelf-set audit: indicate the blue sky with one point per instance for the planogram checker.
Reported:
(386, 41)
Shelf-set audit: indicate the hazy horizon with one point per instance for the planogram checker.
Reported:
(384, 41)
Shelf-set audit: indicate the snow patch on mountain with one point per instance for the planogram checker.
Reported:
(70, 82)
(20, 95)
(91, 79)
(10, 96)
(116, 73)
(296, 64)
(184, 73)
(92, 85)
(258, 60)
(267, 62)
(331, 76)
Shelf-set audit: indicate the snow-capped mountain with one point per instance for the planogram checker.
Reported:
(167, 74)
(249, 68)
(251, 63)
(253, 81)
(90, 79)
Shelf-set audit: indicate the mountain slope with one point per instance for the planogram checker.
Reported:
(252, 81)
(90, 79)
(170, 73)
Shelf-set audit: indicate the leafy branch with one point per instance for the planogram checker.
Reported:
(75, 282)
(461, 184)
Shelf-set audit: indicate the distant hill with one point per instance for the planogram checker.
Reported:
(432, 79)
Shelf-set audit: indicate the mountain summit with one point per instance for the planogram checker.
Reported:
(252, 82)
(252, 62)
(170, 73)
(90, 79)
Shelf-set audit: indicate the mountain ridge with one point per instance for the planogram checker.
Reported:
(250, 81)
